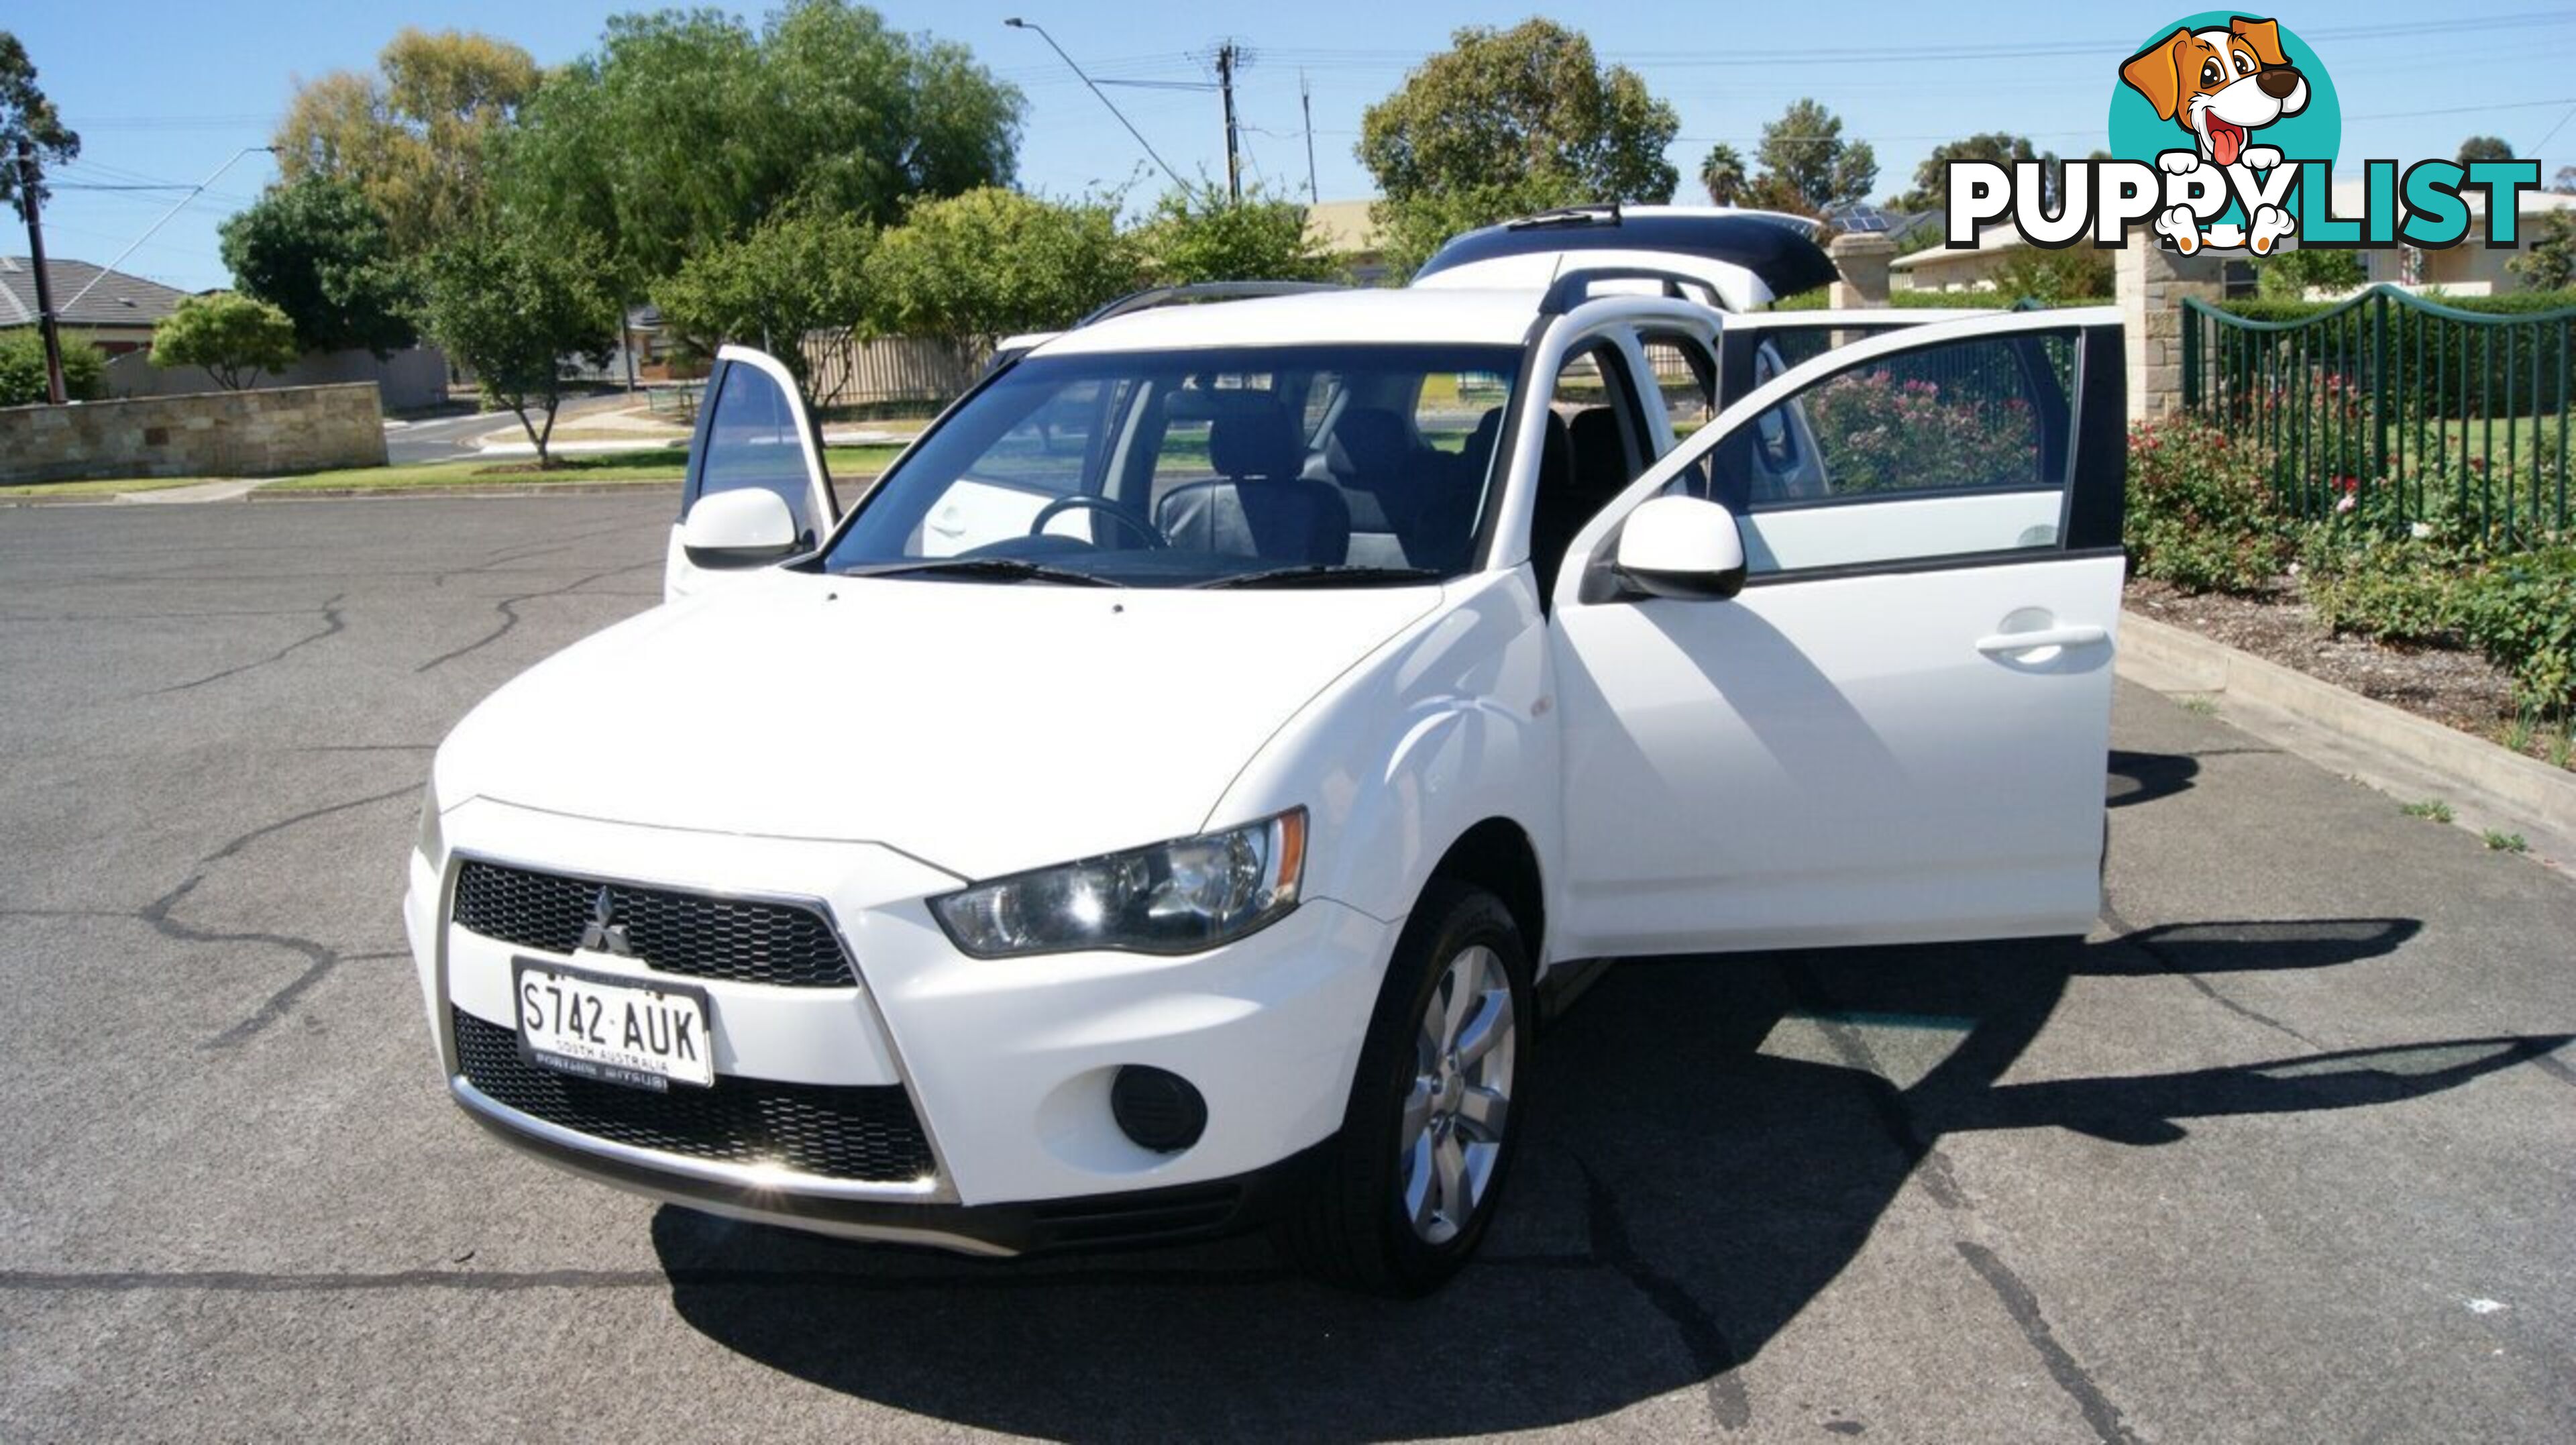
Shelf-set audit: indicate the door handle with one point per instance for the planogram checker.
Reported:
(2072, 635)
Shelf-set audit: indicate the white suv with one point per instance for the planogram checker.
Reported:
(1164, 800)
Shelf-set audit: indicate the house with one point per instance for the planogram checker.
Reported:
(114, 310)
(1347, 232)
(2469, 269)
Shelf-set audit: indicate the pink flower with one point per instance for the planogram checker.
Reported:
(2348, 503)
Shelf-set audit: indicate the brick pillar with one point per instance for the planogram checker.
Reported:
(2152, 284)
(1862, 258)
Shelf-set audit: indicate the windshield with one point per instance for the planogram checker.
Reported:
(1311, 466)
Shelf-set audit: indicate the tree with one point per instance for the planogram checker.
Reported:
(233, 337)
(1506, 122)
(686, 129)
(2564, 182)
(790, 275)
(416, 138)
(1808, 165)
(972, 269)
(2548, 262)
(27, 118)
(1200, 235)
(2484, 148)
(1932, 178)
(22, 368)
(316, 250)
(1723, 175)
(2288, 274)
(2053, 278)
(511, 301)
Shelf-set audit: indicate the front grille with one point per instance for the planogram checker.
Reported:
(690, 934)
(863, 1132)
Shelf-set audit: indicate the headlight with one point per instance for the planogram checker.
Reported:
(1178, 897)
(430, 841)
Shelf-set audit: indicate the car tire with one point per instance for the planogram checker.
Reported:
(1398, 1200)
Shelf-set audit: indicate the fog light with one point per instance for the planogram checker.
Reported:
(1158, 1109)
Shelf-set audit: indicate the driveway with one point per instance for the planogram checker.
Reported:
(451, 438)
(2285, 1150)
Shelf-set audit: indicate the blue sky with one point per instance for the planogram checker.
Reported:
(166, 92)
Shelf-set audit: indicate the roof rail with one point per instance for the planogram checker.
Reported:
(1158, 296)
(1572, 288)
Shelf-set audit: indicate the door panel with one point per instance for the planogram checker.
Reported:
(753, 432)
(1856, 749)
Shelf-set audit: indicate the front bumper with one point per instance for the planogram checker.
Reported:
(1007, 1062)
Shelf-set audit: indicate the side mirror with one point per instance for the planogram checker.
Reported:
(737, 529)
(1681, 547)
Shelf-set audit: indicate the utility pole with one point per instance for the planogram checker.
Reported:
(1225, 59)
(44, 285)
(1306, 103)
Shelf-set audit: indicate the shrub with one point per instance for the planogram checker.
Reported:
(2438, 585)
(1883, 431)
(2200, 511)
(22, 368)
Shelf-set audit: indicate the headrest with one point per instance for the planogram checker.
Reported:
(1369, 439)
(1480, 442)
(1254, 438)
(1600, 455)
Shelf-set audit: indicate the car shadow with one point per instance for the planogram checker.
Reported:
(2144, 777)
(1712, 1143)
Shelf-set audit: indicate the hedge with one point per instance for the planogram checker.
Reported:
(2467, 369)
(1816, 300)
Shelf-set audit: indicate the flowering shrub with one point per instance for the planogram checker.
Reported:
(1881, 433)
(2200, 513)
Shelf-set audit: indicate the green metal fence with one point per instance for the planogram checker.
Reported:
(2392, 399)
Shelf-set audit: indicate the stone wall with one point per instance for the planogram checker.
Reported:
(209, 434)
(2152, 283)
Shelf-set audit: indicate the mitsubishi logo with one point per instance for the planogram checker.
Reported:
(603, 933)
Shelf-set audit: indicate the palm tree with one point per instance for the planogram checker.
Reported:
(1723, 174)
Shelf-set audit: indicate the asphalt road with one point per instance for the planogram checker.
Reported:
(2285, 1151)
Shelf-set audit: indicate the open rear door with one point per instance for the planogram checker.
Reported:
(753, 432)
(1897, 730)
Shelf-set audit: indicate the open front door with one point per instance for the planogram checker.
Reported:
(1897, 731)
(753, 434)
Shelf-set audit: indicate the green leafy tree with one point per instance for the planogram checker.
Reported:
(685, 129)
(511, 301)
(233, 337)
(1201, 235)
(1722, 175)
(25, 115)
(2564, 182)
(22, 368)
(972, 269)
(1507, 122)
(2485, 148)
(1932, 178)
(2053, 278)
(788, 276)
(2289, 274)
(318, 251)
(416, 137)
(2548, 260)
(1807, 163)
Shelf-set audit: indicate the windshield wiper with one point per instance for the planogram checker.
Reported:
(1010, 569)
(1332, 573)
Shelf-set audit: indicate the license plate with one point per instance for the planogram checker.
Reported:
(615, 1029)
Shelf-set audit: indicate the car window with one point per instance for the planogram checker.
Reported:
(753, 441)
(1175, 467)
(1685, 381)
(1957, 447)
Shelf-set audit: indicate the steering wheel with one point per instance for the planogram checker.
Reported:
(1127, 516)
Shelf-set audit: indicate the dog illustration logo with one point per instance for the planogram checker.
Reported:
(2220, 85)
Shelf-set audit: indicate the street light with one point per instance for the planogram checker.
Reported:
(1017, 23)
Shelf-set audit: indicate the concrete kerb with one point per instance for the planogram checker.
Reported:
(2408, 757)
